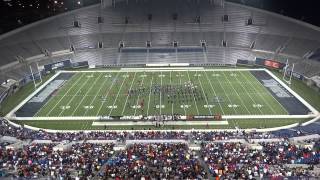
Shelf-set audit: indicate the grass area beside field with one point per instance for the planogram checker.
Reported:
(13, 100)
(307, 93)
(87, 125)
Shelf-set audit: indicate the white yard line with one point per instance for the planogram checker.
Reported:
(150, 95)
(160, 92)
(69, 102)
(125, 104)
(10, 116)
(214, 92)
(237, 94)
(257, 92)
(102, 85)
(194, 99)
(272, 96)
(314, 111)
(75, 83)
(114, 102)
(171, 103)
(93, 85)
(184, 108)
(204, 94)
(224, 92)
(30, 96)
(113, 82)
(54, 96)
(247, 93)
(135, 110)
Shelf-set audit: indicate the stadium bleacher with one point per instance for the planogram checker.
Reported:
(222, 154)
(269, 32)
(163, 154)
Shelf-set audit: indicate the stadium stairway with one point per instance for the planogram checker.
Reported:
(204, 165)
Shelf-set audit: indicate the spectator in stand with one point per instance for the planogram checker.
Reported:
(146, 161)
(238, 161)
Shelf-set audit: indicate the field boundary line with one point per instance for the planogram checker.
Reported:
(314, 111)
(165, 70)
(10, 114)
(165, 130)
(262, 117)
(65, 83)
(73, 84)
(273, 96)
(259, 94)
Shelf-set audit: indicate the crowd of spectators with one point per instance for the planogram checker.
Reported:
(23, 133)
(239, 161)
(146, 161)
(217, 157)
(41, 160)
(158, 135)
(231, 160)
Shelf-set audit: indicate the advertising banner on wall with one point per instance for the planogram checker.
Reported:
(58, 65)
(80, 64)
(295, 75)
(269, 63)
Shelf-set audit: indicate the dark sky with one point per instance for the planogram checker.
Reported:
(306, 10)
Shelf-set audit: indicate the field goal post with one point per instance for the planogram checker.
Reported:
(286, 68)
(38, 72)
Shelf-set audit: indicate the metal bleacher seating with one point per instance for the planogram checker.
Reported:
(276, 36)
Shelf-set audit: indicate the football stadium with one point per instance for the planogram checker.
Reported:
(149, 89)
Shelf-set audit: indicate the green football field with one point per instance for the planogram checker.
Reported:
(161, 92)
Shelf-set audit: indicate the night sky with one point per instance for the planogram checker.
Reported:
(17, 13)
(305, 10)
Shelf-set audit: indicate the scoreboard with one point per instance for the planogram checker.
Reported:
(270, 63)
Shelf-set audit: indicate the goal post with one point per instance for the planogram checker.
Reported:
(38, 73)
(286, 69)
